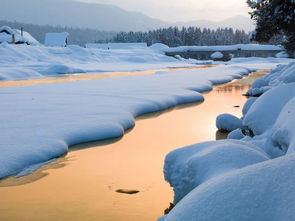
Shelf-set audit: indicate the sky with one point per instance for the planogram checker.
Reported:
(182, 10)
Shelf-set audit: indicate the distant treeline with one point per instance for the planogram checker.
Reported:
(78, 36)
(174, 36)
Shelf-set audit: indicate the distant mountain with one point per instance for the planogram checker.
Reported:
(237, 22)
(78, 36)
(103, 17)
(76, 14)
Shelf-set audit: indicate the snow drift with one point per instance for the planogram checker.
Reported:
(249, 178)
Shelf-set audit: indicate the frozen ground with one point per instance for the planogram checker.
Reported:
(251, 177)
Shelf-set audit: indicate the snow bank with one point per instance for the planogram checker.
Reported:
(263, 191)
(107, 46)
(283, 133)
(228, 180)
(264, 112)
(191, 166)
(40, 61)
(48, 61)
(39, 122)
(281, 75)
(249, 47)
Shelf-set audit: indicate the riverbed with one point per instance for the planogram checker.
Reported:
(83, 184)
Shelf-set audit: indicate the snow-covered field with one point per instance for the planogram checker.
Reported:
(248, 177)
(22, 61)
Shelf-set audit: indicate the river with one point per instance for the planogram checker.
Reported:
(82, 185)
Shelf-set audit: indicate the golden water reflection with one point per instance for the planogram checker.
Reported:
(82, 185)
(88, 76)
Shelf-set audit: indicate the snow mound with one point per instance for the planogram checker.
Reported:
(211, 184)
(248, 104)
(216, 55)
(236, 134)
(188, 167)
(263, 191)
(283, 133)
(264, 112)
(282, 54)
(158, 46)
(228, 122)
(283, 74)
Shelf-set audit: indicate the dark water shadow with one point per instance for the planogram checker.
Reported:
(98, 143)
(161, 112)
(221, 135)
(38, 174)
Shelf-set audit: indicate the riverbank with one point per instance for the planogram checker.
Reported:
(250, 176)
(44, 120)
(86, 179)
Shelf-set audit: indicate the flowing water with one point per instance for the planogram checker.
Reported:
(90, 182)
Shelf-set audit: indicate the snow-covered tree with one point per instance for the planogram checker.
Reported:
(274, 17)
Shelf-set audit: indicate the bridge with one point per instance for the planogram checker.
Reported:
(205, 52)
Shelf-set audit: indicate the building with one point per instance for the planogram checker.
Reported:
(15, 36)
(56, 39)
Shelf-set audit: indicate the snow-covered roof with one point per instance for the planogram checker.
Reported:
(56, 39)
(247, 47)
(6, 33)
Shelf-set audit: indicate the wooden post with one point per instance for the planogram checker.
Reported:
(13, 39)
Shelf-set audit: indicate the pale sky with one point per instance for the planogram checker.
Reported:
(183, 10)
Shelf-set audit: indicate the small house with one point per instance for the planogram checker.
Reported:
(16, 36)
(56, 39)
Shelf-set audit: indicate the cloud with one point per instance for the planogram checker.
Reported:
(184, 10)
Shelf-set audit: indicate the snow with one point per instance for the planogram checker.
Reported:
(216, 55)
(56, 39)
(265, 110)
(5, 37)
(191, 166)
(40, 61)
(248, 104)
(263, 191)
(44, 120)
(282, 55)
(236, 134)
(141, 45)
(280, 75)
(228, 122)
(39, 123)
(249, 47)
(219, 181)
